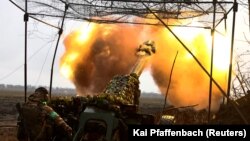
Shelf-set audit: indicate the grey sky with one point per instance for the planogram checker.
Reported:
(41, 41)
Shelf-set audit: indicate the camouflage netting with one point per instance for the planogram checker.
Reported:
(228, 115)
(125, 11)
(122, 90)
(186, 115)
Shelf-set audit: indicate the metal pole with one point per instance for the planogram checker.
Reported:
(249, 14)
(53, 61)
(25, 18)
(235, 9)
(211, 66)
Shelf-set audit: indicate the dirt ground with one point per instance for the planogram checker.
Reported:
(8, 114)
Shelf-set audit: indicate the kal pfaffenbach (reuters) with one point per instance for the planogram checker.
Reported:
(194, 132)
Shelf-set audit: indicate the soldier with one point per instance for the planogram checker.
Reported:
(37, 119)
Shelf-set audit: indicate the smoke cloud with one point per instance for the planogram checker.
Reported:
(108, 50)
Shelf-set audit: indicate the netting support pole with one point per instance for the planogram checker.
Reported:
(26, 19)
(235, 9)
(57, 43)
(211, 65)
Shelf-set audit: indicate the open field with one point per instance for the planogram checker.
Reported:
(8, 114)
(149, 104)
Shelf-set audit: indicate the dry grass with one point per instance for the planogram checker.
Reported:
(8, 114)
(8, 134)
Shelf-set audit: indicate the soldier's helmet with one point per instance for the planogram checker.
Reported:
(41, 90)
(41, 93)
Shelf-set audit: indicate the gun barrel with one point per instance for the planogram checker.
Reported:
(144, 52)
(140, 65)
(124, 89)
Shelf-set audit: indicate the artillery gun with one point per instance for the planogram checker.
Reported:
(106, 116)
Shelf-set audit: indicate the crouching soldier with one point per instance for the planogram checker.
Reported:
(37, 120)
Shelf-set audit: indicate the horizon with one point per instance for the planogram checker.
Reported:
(40, 49)
(29, 87)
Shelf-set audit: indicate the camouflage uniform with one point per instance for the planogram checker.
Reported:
(38, 119)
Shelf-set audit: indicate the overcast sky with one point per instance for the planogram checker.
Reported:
(41, 44)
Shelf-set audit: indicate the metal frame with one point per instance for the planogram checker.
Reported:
(162, 23)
